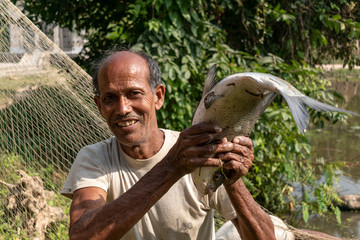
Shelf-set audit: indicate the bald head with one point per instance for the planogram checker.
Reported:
(123, 64)
(139, 58)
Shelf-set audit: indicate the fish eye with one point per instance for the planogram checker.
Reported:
(217, 177)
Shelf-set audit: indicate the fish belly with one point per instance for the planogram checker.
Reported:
(236, 112)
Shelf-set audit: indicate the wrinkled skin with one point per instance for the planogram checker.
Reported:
(129, 108)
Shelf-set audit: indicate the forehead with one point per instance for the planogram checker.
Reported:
(124, 66)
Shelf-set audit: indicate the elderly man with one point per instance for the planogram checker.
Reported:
(136, 184)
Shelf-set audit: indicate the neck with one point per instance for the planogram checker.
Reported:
(146, 149)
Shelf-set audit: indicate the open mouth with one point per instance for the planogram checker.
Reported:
(126, 123)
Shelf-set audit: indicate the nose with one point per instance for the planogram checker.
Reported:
(124, 106)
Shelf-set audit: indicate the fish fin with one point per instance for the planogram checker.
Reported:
(298, 110)
(267, 101)
(323, 107)
(210, 98)
(210, 80)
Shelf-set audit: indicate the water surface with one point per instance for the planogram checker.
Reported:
(341, 143)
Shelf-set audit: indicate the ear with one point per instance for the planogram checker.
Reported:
(159, 96)
(97, 102)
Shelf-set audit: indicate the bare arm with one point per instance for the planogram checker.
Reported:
(251, 222)
(91, 218)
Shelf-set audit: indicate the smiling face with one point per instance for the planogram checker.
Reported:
(128, 104)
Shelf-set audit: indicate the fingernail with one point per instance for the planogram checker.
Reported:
(218, 128)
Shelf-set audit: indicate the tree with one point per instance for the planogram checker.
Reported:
(187, 37)
(307, 30)
(312, 31)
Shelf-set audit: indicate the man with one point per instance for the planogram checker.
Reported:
(136, 185)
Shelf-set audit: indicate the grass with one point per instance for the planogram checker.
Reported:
(10, 85)
(20, 81)
(343, 75)
(13, 227)
(53, 179)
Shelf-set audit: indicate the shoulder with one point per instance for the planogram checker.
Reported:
(171, 134)
(170, 138)
(105, 147)
(92, 167)
(98, 156)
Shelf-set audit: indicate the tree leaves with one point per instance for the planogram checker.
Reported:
(305, 212)
(187, 37)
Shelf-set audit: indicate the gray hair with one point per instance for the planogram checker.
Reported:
(154, 69)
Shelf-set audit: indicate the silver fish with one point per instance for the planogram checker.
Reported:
(236, 103)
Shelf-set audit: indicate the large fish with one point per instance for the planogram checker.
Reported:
(236, 103)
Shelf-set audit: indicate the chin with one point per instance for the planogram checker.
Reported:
(129, 140)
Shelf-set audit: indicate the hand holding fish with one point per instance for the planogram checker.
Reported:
(192, 150)
(237, 162)
(236, 103)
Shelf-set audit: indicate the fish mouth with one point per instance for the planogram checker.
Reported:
(218, 178)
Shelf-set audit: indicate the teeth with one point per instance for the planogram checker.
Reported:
(127, 123)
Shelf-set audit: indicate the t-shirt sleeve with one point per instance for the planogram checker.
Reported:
(220, 201)
(86, 171)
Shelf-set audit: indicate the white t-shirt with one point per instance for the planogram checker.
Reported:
(182, 213)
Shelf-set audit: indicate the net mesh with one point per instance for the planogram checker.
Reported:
(46, 115)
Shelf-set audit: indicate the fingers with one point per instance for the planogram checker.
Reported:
(195, 149)
(239, 160)
(241, 165)
(203, 127)
(200, 139)
(199, 134)
(208, 150)
(225, 150)
(204, 162)
(244, 141)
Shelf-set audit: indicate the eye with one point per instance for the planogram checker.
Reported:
(108, 98)
(135, 94)
(217, 178)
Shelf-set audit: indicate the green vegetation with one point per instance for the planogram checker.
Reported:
(343, 75)
(16, 226)
(21, 81)
(310, 31)
(43, 124)
(188, 37)
(11, 84)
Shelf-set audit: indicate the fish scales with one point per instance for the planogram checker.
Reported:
(236, 107)
(237, 102)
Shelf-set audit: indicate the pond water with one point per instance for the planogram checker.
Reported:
(341, 143)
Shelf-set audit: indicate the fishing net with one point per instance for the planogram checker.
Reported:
(46, 115)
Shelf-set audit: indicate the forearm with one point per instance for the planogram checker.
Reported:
(253, 222)
(116, 218)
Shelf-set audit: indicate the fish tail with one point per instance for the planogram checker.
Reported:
(298, 110)
(300, 114)
(319, 106)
